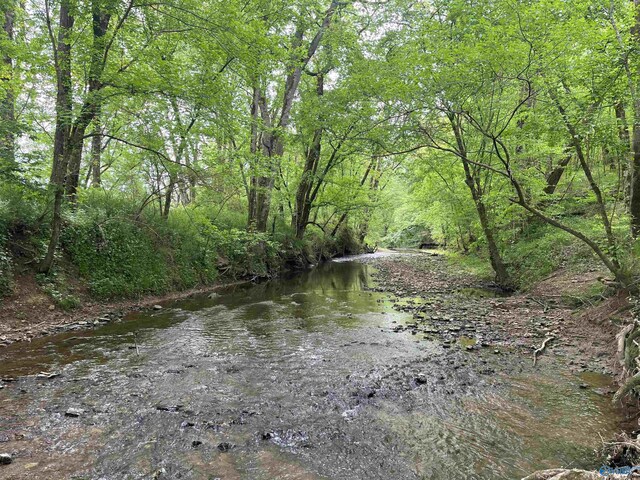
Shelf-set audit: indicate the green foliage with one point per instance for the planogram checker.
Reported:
(193, 109)
(347, 242)
(117, 256)
(474, 264)
(56, 285)
(412, 236)
(241, 253)
(6, 270)
(543, 249)
(123, 254)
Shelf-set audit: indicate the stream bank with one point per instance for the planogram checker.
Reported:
(457, 307)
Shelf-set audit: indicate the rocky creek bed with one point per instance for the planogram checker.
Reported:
(383, 367)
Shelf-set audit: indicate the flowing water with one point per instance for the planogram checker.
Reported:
(297, 378)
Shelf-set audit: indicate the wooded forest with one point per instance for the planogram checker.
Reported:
(319, 239)
(152, 143)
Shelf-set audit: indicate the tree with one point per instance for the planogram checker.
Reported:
(269, 143)
(7, 99)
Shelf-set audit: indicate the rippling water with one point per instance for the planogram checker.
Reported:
(298, 378)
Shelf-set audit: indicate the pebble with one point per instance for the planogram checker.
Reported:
(73, 412)
(157, 307)
(168, 408)
(5, 459)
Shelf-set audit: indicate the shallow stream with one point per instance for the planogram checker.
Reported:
(297, 378)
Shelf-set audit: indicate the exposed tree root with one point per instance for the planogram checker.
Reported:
(562, 474)
(540, 350)
(629, 357)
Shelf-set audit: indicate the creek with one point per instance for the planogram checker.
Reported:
(301, 377)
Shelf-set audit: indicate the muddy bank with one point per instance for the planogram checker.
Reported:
(29, 313)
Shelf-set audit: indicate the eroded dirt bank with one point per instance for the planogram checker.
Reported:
(323, 375)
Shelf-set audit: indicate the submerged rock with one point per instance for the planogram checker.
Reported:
(225, 446)
(168, 408)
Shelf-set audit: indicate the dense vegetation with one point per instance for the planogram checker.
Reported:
(153, 145)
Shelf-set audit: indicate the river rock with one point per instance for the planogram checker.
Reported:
(420, 379)
(5, 459)
(73, 412)
(225, 446)
(157, 307)
(168, 408)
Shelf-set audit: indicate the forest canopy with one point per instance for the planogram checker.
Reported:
(156, 144)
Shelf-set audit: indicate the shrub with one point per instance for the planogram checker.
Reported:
(124, 253)
(116, 256)
(6, 270)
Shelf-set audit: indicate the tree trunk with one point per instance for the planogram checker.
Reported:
(602, 208)
(75, 148)
(623, 127)
(343, 217)
(96, 153)
(374, 183)
(303, 201)
(92, 102)
(556, 174)
(262, 185)
(634, 200)
(7, 104)
(168, 196)
(63, 128)
(502, 276)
